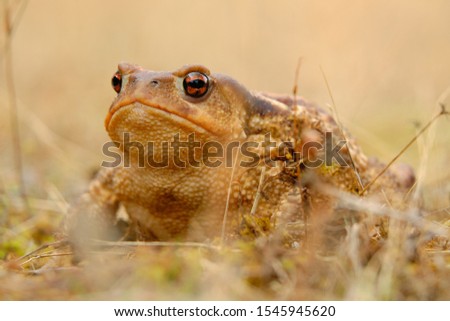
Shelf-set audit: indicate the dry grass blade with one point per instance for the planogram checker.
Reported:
(37, 254)
(258, 191)
(10, 26)
(54, 245)
(412, 216)
(227, 204)
(336, 117)
(128, 244)
(41, 256)
(441, 113)
(58, 144)
(12, 19)
(294, 101)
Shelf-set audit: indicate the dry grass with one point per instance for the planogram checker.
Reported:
(385, 63)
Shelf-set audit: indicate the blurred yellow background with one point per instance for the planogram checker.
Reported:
(387, 63)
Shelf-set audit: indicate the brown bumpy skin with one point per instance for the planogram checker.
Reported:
(188, 202)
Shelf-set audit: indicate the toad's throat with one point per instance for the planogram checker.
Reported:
(175, 116)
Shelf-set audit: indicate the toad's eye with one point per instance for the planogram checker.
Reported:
(116, 81)
(195, 84)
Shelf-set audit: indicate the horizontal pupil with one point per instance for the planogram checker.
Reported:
(197, 83)
(116, 81)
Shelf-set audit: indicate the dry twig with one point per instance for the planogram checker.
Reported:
(10, 26)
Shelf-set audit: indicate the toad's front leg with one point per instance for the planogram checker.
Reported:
(93, 216)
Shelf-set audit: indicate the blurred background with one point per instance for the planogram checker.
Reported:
(387, 63)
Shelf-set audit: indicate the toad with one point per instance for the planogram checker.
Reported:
(200, 156)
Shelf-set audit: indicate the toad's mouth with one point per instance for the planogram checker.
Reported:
(185, 120)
